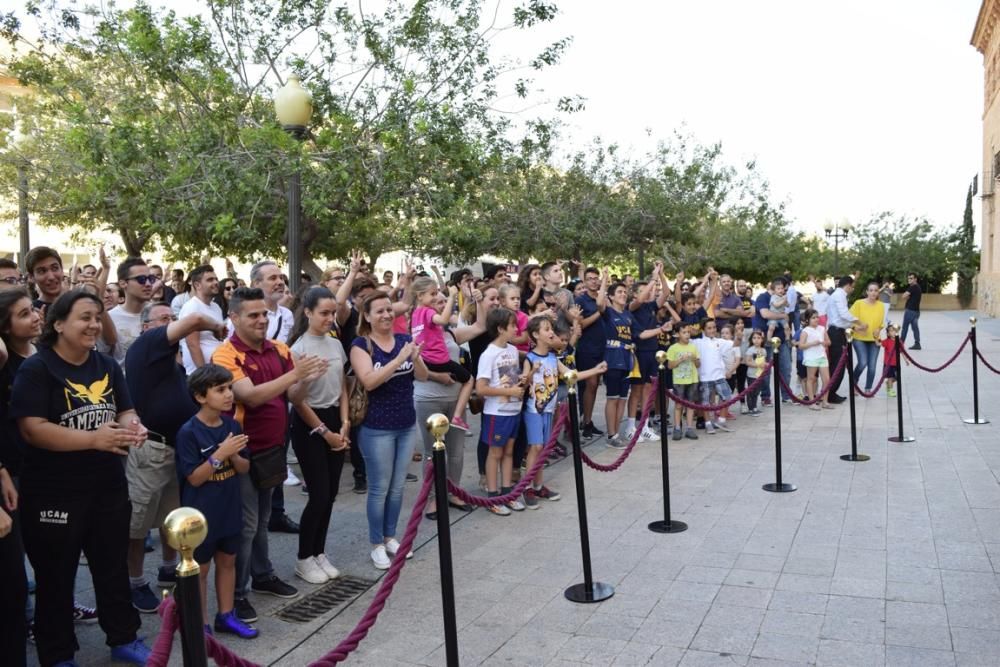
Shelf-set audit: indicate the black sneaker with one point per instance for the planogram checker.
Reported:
(596, 430)
(166, 576)
(588, 431)
(274, 586)
(699, 422)
(282, 523)
(144, 599)
(360, 486)
(916, 346)
(410, 477)
(244, 610)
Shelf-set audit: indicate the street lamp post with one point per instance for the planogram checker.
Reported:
(293, 107)
(837, 232)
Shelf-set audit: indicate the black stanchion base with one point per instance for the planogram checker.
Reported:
(976, 421)
(774, 487)
(905, 438)
(668, 526)
(855, 457)
(598, 592)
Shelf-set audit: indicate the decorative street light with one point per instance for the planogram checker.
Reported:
(837, 232)
(293, 107)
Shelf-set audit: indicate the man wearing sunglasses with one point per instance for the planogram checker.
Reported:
(137, 282)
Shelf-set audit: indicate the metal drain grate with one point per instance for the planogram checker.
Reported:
(340, 591)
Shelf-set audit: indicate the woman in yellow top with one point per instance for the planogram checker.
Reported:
(867, 332)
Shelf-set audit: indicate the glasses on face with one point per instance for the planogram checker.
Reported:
(230, 288)
(11, 280)
(144, 280)
(337, 277)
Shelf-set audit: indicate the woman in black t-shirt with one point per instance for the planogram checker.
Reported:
(20, 324)
(74, 411)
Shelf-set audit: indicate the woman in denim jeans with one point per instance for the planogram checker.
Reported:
(386, 364)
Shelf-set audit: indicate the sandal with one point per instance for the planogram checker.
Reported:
(815, 407)
(827, 406)
(464, 507)
(432, 516)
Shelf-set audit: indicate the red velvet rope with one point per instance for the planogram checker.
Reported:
(874, 391)
(160, 654)
(979, 353)
(941, 367)
(732, 401)
(617, 463)
(360, 631)
(515, 493)
(819, 397)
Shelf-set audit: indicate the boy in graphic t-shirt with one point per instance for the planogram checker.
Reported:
(683, 360)
(210, 453)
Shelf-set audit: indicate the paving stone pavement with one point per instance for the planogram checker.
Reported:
(890, 562)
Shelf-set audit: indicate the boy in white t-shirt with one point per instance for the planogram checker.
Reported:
(500, 382)
(713, 351)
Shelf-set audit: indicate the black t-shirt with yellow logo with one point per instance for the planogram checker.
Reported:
(83, 398)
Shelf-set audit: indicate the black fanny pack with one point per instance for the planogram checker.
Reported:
(268, 468)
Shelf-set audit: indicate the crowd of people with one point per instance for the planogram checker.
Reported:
(127, 396)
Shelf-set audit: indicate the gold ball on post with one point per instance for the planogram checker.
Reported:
(186, 529)
(972, 320)
(775, 342)
(849, 335)
(438, 425)
(661, 358)
(570, 378)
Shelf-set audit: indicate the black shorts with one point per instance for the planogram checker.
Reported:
(227, 544)
(457, 371)
(890, 372)
(585, 359)
(617, 382)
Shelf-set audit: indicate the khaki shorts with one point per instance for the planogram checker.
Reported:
(152, 486)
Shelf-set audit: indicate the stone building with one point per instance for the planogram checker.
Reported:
(986, 39)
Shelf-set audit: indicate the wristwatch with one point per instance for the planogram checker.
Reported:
(216, 463)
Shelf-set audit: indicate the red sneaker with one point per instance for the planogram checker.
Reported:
(457, 422)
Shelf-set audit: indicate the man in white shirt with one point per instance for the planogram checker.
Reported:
(820, 300)
(137, 282)
(838, 320)
(267, 276)
(198, 346)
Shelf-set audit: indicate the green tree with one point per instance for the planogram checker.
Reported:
(966, 254)
(160, 128)
(889, 246)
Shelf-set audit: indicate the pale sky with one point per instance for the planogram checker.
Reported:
(849, 108)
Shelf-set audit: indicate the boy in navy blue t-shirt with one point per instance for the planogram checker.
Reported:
(210, 453)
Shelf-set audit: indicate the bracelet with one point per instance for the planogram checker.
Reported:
(214, 462)
(321, 430)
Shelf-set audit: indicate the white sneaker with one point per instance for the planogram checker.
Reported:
(325, 565)
(308, 570)
(516, 505)
(291, 458)
(392, 547)
(649, 435)
(721, 425)
(629, 434)
(380, 558)
(292, 480)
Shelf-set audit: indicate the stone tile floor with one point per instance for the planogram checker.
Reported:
(890, 562)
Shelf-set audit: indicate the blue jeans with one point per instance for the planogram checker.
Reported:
(784, 367)
(252, 560)
(910, 317)
(866, 357)
(387, 455)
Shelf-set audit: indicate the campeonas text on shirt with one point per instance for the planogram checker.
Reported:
(88, 406)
